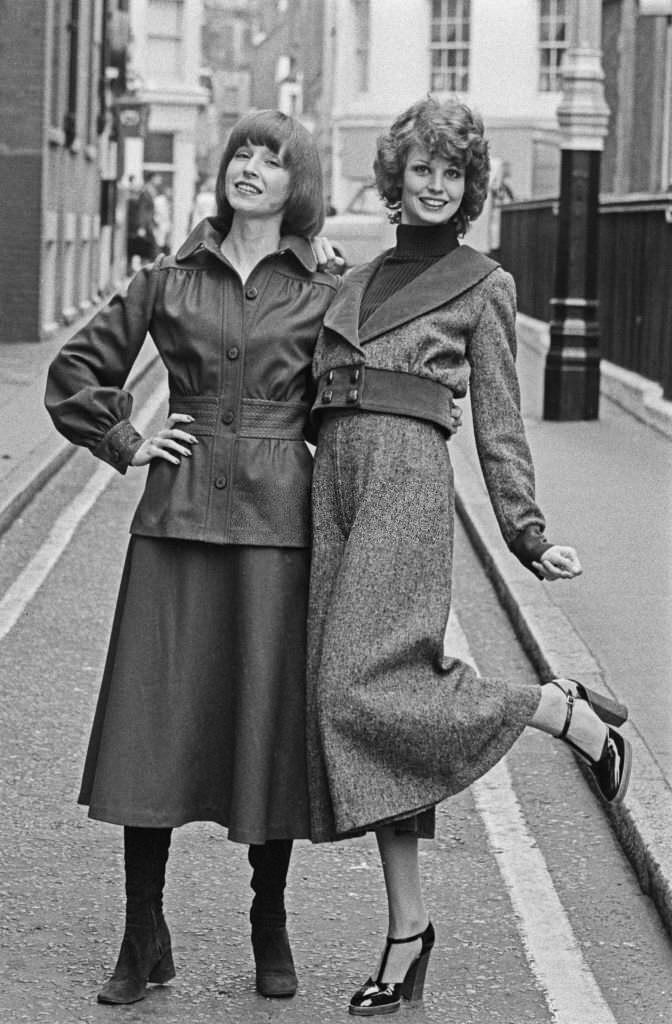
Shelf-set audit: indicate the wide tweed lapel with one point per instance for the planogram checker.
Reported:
(449, 277)
(343, 313)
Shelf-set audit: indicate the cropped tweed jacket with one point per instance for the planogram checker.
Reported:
(455, 324)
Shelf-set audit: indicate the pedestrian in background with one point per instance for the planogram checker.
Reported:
(141, 241)
(163, 219)
(501, 193)
(394, 725)
(201, 713)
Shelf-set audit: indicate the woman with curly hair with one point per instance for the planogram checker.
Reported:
(395, 725)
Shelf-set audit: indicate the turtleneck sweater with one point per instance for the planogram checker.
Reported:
(416, 250)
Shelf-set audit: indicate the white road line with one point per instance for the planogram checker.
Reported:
(31, 578)
(554, 955)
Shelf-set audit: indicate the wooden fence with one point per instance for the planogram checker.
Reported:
(635, 276)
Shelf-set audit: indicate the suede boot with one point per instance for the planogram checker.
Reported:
(145, 954)
(275, 974)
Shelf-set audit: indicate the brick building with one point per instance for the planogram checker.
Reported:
(60, 235)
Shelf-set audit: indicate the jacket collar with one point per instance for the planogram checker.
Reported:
(449, 277)
(208, 234)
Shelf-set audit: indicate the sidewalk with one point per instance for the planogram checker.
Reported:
(605, 487)
(31, 450)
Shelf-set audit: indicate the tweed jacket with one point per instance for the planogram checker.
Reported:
(238, 360)
(455, 323)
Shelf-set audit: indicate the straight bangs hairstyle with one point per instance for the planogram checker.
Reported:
(288, 139)
(449, 129)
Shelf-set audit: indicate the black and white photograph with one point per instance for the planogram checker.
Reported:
(336, 511)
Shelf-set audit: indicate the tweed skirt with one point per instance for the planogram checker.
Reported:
(394, 726)
(201, 712)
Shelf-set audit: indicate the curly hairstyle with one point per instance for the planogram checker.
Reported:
(448, 129)
(282, 134)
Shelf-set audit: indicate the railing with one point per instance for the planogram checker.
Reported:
(635, 276)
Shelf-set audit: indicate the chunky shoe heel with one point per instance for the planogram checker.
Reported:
(275, 974)
(611, 770)
(611, 711)
(378, 996)
(164, 970)
(413, 985)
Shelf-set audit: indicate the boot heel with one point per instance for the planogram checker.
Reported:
(163, 971)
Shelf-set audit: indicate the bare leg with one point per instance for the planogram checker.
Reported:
(587, 731)
(405, 904)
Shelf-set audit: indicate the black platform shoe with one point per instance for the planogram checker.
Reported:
(378, 996)
(611, 770)
(145, 956)
(609, 710)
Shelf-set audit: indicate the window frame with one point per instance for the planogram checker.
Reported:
(550, 70)
(176, 37)
(450, 58)
(362, 26)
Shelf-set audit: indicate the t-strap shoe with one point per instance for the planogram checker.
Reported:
(378, 996)
(611, 770)
(609, 710)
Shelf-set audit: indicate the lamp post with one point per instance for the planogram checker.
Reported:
(572, 374)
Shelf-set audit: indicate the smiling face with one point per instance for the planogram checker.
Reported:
(432, 188)
(257, 183)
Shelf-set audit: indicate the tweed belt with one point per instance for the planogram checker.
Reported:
(255, 418)
(351, 389)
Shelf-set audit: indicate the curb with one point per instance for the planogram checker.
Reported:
(638, 396)
(49, 456)
(643, 821)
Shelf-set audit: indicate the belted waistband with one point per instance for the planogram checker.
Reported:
(256, 417)
(351, 389)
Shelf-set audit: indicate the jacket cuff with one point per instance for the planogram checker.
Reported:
(119, 445)
(529, 545)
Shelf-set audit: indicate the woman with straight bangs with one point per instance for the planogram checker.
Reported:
(394, 724)
(201, 713)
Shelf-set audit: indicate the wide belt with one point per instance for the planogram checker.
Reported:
(255, 418)
(351, 389)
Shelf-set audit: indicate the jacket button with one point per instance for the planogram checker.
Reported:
(251, 293)
(233, 352)
(220, 482)
(228, 417)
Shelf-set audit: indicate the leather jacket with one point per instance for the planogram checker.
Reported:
(238, 360)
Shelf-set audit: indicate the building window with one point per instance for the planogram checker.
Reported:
(159, 158)
(159, 149)
(552, 43)
(362, 43)
(57, 104)
(165, 19)
(449, 45)
(70, 117)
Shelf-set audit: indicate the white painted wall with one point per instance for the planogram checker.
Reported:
(503, 80)
(174, 103)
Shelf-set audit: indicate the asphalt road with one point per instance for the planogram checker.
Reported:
(538, 915)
